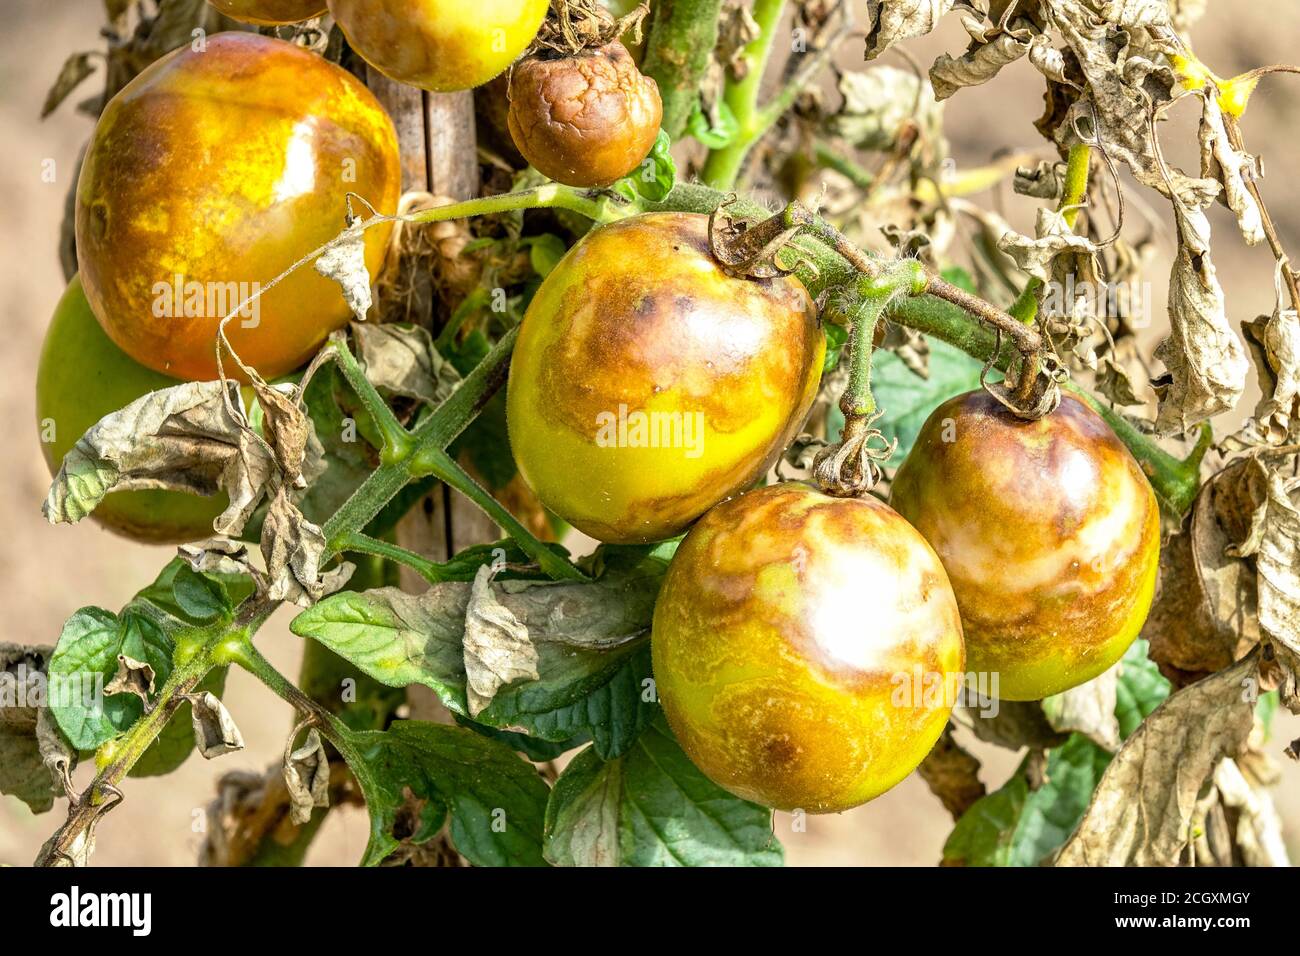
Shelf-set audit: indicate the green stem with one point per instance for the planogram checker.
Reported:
(1025, 308)
(591, 204)
(360, 543)
(908, 278)
(827, 157)
(683, 34)
(723, 165)
(396, 439)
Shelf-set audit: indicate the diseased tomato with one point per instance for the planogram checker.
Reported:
(270, 12)
(207, 176)
(584, 120)
(83, 376)
(1049, 531)
(807, 649)
(647, 385)
(439, 45)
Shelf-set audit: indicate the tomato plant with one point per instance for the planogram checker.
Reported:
(683, 281)
(207, 176)
(783, 621)
(1054, 583)
(647, 384)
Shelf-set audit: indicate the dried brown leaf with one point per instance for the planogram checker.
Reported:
(952, 775)
(1141, 811)
(498, 649)
(215, 732)
(1088, 709)
(292, 548)
(307, 776)
(402, 360)
(889, 21)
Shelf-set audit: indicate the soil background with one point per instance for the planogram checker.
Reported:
(47, 573)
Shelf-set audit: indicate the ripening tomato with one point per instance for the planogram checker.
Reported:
(1049, 531)
(208, 175)
(83, 376)
(647, 384)
(438, 45)
(807, 649)
(270, 12)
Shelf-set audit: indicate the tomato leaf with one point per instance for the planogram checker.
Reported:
(652, 807)
(1140, 690)
(415, 774)
(174, 744)
(711, 135)
(31, 747)
(655, 175)
(593, 662)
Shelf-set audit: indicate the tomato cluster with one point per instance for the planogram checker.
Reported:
(807, 648)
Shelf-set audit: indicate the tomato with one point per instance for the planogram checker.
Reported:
(807, 649)
(270, 12)
(1049, 531)
(647, 385)
(584, 120)
(207, 176)
(83, 376)
(437, 45)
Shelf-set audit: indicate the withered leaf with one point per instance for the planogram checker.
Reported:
(1258, 832)
(307, 776)
(952, 775)
(878, 102)
(345, 262)
(1141, 811)
(285, 426)
(889, 21)
(1056, 251)
(1230, 167)
(75, 69)
(1014, 725)
(34, 757)
(981, 62)
(216, 555)
(181, 438)
(1114, 382)
(132, 677)
(292, 548)
(402, 360)
(215, 732)
(1206, 362)
(498, 649)
(1275, 342)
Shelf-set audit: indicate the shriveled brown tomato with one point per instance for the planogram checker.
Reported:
(208, 175)
(647, 385)
(270, 12)
(440, 45)
(807, 649)
(1050, 534)
(584, 120)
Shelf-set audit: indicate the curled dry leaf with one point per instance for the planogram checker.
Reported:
(1055, 254)
(307, 776)
(1115, 383)
(30, 742)
(1014, 724)
(1045, 181)
(285, 427)
(878, 102)
(498, 649)
(983, 61)
(182, 438)
(1123, 89)
(132, 677)
(952, 775)
(344, 261)
(1204, 616)
(402, 360)
(1141, 811)
(1234, 169)
(1206, 362)
(889, 21)
(1275, 342)
(216, 555)
(292, 548)
(215, 732)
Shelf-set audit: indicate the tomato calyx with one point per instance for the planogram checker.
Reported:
(573, 27)
(749, 250)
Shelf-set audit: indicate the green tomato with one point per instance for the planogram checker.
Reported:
(647, 385)
(83, 376)
(807, 649)
(1050, 533)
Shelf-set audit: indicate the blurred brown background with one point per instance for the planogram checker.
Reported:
(47, 573)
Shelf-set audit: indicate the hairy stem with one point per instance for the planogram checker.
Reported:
(683, 34)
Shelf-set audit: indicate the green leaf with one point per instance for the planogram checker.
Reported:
(545, 252)
(532, 748)
(415, 774)
(714, 137)
(593, 661)
(1140, 688)
(836, 338)
(907, 400)
(200, 597)
(85, 659)
(655, 175)
(181, 597)
(1016, 826)
(652, 807)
